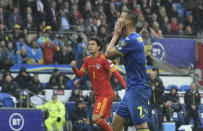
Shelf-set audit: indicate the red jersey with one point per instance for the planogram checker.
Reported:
(99, 69)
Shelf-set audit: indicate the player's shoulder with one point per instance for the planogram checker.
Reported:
(88, 58)
(102, 56)
(134, 37)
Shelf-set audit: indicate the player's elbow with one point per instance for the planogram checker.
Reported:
(109, 55)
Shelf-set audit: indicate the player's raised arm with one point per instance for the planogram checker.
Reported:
(111, 51)
(77, 72)
(119, 78)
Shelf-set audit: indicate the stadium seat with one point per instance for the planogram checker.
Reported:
(185, 87)
(178, 117)
(200, 114)
(69, 106)
(4, 95)
(44, 85)
(8, 102)
(171, 86)
(153, 120)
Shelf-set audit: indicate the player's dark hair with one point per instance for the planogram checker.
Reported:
(98, 41)
(132, 16)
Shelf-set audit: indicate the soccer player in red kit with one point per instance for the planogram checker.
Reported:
(99, 69)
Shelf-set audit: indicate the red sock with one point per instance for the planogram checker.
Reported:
(103, 125)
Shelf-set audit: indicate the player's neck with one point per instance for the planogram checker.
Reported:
(129, 31)
(95, 54)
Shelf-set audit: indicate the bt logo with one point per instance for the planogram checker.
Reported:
(158, 50)
(16, 121)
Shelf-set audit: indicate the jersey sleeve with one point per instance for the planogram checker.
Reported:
(109, 65)
(85, 65)
(128, 45)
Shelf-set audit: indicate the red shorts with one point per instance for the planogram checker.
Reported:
(102, 106)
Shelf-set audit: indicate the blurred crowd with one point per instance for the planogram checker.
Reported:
(163, 105)
(29, 30)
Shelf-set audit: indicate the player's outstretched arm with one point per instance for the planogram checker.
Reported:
(77, 72)
(120, 78)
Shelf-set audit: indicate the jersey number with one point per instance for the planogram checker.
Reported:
(140, 108)
(93, 74)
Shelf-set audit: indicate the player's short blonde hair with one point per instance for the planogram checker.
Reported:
(131, 16)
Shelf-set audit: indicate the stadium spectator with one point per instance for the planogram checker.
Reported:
(189, 31)
(190, 22)
(155, 31)
(52, 84)
(75, 15)
(197, 15)
(64, 56)
(35, 53)
(62, 80)
(23, 79)
(147, 38)
(156, 6)
(22, 57)
(64, 21)
(39, 10)
(21, 43)
(56, 111)
(59, 42)
(15, 18)
(157, 97)
(153, 20)
(140, 22)
(2, 32)
(180, 28)
(59, 4)
(10, 86)
(51, 16)
(168, 30)
(89, 32)
(162, 14)
(164, 25)
(174, 25)
(2, 16)
(48, 49)
(4, 55)
(7, 72)
(102, 33)
(171, 105)
(80, 51)
(79, 116)
(173, 12)
(16, 33)
(36, 86)
(95, 25)
(76, 95)
(45, 36)
(29, 21)
(192, 101)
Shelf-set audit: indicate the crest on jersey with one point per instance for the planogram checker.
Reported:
(123, 43)
(98, 66)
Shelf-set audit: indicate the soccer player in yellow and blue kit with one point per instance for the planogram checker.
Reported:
(134, 105)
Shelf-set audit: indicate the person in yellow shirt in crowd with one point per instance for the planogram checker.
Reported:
(56, 111)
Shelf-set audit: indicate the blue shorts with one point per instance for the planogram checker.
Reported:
(134, 105)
